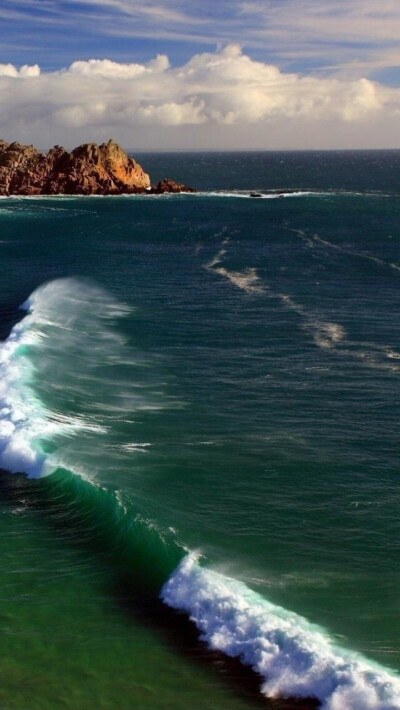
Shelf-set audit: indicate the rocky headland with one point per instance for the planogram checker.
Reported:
(90, 169)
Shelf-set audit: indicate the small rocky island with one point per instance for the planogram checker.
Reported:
(90, 169)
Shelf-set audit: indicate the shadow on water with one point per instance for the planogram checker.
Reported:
(137, 564)
(183, 636)
(10, 314)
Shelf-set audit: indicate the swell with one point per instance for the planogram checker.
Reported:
(63, 422)
(75, 319)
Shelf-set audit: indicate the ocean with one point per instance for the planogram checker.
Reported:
(199, 495)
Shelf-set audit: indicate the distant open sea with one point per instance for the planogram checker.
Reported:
(200, 486)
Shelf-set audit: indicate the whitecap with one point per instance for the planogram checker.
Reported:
(295, 658)
(60, 315)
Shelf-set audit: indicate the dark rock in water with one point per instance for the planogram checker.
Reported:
(90, 169)
(255, 194)
(168, 185)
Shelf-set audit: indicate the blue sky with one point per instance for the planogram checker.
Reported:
(299, 35)
(328, 46)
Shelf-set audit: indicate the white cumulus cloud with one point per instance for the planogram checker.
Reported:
(94, 98)
(12, 71)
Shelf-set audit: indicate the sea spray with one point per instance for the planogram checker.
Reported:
(22, 421)
(66, 370)
(27, 358)
(295, 658)
(62, 404)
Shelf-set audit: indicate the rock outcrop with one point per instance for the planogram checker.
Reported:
(90, 169)
(168, 185)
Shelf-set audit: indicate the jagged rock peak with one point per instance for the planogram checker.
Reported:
(89, 169)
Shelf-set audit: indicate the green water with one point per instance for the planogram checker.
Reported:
(221, 375)
(76, 633)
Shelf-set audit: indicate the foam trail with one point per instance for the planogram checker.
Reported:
(248, 279)
(316, 239)
(354, 252)
(326, 334)
(295, 658)
(332, 336)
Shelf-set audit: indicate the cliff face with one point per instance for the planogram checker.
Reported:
(90, 169)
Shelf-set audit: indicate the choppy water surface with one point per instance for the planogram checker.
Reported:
(199, 407)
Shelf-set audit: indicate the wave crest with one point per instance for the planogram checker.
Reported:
(57, 375)
(295, 658)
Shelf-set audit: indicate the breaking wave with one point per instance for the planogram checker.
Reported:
(58, 379)
(295, 658)
(70, 320)
(69, 388)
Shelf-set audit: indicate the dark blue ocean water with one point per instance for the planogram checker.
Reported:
(217, 376)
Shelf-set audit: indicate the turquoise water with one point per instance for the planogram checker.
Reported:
(199, 413)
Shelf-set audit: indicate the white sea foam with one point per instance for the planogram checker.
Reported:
(317, 239)
(248, 279)
(251, 194)
(68, 378)
(22, 420)
(216, 259)
(327, 335)
(166, 195)
(49, 330)
(393, 354)
(356, 252)
(136, 446)
(294, 657)
(333, 336)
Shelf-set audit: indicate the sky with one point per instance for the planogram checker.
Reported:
(201, 74)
